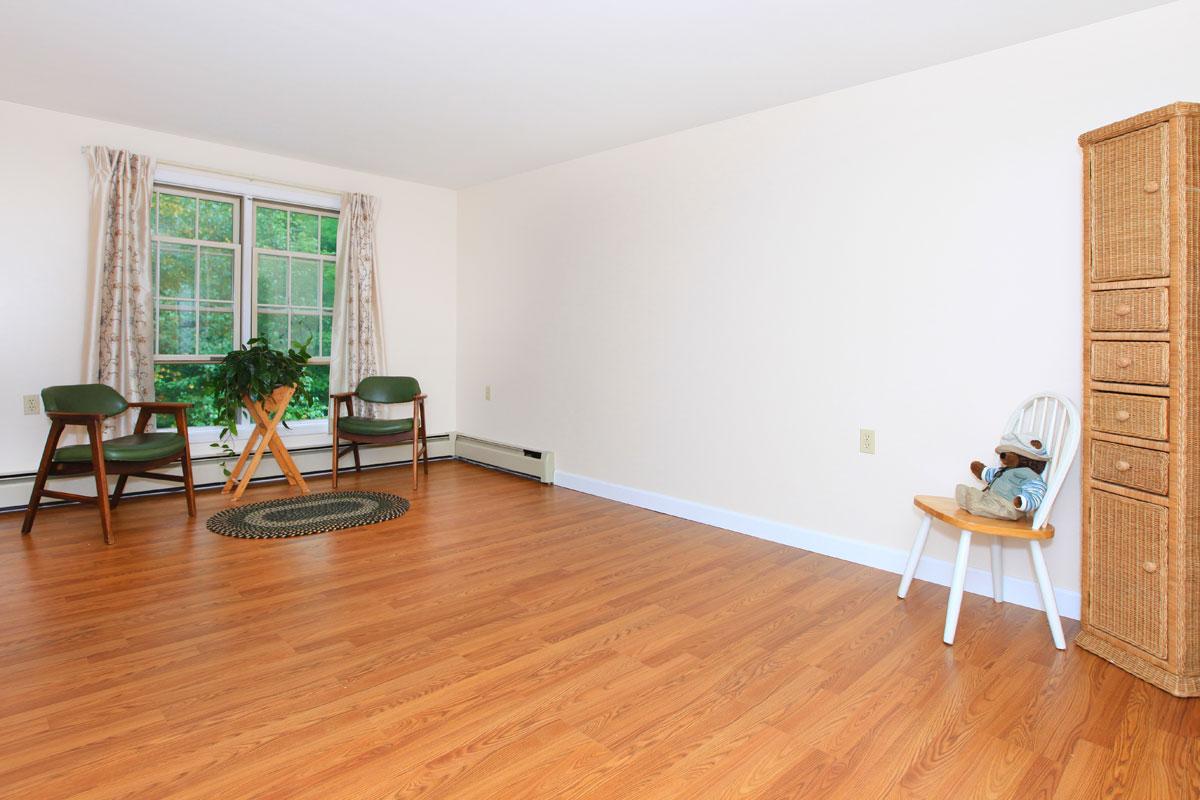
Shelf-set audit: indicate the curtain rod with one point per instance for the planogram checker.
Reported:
(245, 176)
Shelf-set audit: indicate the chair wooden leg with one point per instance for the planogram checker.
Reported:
(956, 587)
(424, 444)
(914, 556)
(189, 487)
(39, 483)
(357, 462)
(997, 570)
(1047, 589)
(119, 491)
(416, 460)
(336, 453)
(94, 436)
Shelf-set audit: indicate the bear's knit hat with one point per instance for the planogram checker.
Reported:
(1023, 445)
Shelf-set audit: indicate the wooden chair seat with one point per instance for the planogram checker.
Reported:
(1053, 420)
(947, 510)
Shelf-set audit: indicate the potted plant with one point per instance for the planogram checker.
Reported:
(263, 381)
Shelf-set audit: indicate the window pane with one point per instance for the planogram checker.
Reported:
(329, 227)
(306, 328)
(177, 331)
(216, 221)
(216, 329)
(326, 334)
(185, 383)
(304, 233)
(176, 216)
(216, 273)
(274, 328)
(327, 283)
(177, 270)
(270, 228)
(306, 282)
(318, 406)
(272, 280)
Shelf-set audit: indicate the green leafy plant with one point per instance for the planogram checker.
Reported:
(255, 370)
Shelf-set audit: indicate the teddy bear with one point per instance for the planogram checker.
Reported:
(1015, 487)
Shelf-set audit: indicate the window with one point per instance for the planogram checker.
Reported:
(294, 250)
(206, 306)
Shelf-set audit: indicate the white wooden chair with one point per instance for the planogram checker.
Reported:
(1054, 420)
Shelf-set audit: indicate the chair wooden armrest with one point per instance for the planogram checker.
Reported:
(947, 510)
(341, 395)
(74, 417)
(420, 396)
(160, 407)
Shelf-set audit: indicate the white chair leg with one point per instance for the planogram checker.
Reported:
(956, 586)
(997, 570)
(914, 557)
(1047, 588)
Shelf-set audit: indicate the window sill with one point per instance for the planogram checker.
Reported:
(299, 433)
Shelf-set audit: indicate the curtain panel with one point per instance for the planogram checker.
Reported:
(357, 348)
(119, 348)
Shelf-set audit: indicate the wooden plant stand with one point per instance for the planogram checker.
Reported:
(267, 414)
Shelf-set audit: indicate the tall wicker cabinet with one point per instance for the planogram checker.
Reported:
(1141, 389)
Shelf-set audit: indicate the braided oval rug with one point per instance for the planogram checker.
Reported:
(311, 513)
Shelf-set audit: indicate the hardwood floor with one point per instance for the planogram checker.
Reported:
(506, 640)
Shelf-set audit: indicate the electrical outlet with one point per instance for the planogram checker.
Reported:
(866, 441)
(31, 404)
(487, 392)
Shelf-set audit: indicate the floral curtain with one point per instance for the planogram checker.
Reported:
(357, 347)
(119, 348)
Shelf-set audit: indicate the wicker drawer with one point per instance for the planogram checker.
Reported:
(1130, 226)
(1127, 571)
(1132, 362)
(1135, 467)
(1130, 310)
(1130, 414)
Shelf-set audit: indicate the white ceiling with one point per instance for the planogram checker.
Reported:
(455, 92)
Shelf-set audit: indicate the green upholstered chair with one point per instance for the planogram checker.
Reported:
(368, 430)
(88, 405)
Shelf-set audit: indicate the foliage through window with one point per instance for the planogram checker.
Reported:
(205, 306)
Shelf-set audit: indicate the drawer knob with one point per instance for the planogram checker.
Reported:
(1123, 310)
(1124, 361)
(1123, 415)
(1150, 566)
(1122, 466)
(1151, 187)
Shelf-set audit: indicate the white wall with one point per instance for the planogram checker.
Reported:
(714, 314)
(43, 226)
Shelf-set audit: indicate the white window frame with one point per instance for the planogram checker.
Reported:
(299, 432)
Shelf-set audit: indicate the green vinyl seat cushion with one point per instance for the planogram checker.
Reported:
(135, 447)
(365, 426)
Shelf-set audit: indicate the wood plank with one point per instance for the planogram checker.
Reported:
(508, 639)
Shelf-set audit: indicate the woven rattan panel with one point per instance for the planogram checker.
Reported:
(1129, 414)
(1131, 310)
(1130, 226)
(1135, 467)
(1128, 570)
(1190, 574)
(1132, 362)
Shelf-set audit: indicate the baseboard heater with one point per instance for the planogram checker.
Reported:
(533, 463)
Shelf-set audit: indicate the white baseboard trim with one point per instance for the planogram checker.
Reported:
(1016, 590)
